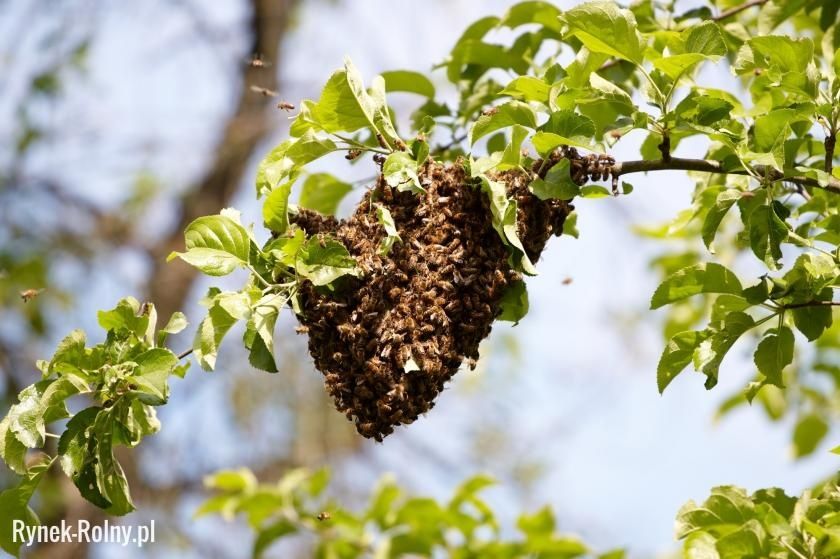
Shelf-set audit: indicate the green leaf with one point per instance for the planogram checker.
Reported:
(152, 375)
(594, 191)
(110, 477)
(710, 354)
(503, 213)
(541, 13)
(675, 65)
(12, 450)
(503, 116)
(39, 405)
(276, 208)
(345, 106)
(813, 320)
(133, 421)
(514, 302)
(408, 81)
(558, 183)
(383, 215)
(400, 172)
(676, 356)
(14, 504)
(241, 480)
(774, 353)
(512, 152)
(177, 323)
(529, 89)
(693, 280)
(725, 200)
(323, 261)
(322, 193)
(705, 38)
(746, 541)
(767, 232)
(212, 329)
(270, 534)
(216, 245)
(570, 226)
(73, 444)
(540, 524)
(285, 162)
(125, 317)
(809, 432)
(259, 335)
(606, 28)
(565, 127)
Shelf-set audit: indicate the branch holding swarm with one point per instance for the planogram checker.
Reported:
(706, 166)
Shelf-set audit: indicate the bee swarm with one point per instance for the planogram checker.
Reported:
(429, 302)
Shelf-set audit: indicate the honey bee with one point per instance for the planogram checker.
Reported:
(257, 61)
(353, 154)
(322, 516)
(285, 106)
(263, 91)
(490, 111)
(29, 294)
(567, 281)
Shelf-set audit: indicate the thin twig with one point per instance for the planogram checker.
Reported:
(830, 143)
(706, 166)
(184, 354)
(813, 304)
(735, 10)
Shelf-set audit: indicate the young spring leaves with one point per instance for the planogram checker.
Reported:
(732, 523)
(124, 377)
(392, 523)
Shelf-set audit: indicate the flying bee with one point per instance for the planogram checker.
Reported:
(285, 106)
(322, 516)
(263, 91)
(567, 281)
(257, 61)
(29, 294)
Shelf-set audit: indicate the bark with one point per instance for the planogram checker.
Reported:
(243, 134)
(171, 284)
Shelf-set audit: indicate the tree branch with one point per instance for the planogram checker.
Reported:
(735, 10)
(813, 304)
(247, 127)
(705, 166)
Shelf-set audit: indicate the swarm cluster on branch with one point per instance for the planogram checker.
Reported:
(389, 342)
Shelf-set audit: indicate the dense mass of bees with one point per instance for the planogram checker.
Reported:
(428, 303)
